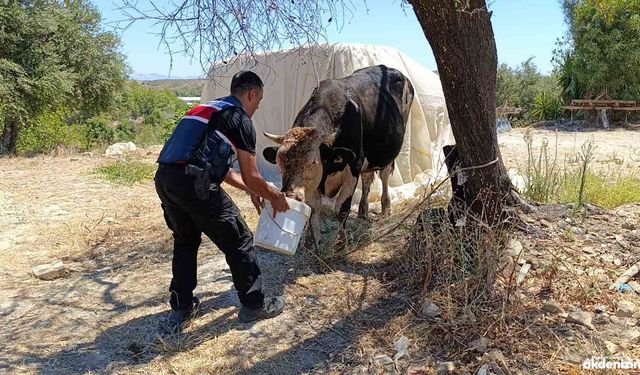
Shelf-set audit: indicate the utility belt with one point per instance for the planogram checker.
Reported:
(203, 182)
(209, 164)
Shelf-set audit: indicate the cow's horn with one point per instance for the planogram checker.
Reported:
(276, 138)
(330, 138)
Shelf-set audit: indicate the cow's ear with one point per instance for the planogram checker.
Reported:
(269, 154)
(325, 152)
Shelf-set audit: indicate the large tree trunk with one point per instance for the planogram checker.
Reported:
(462, 40)
(9, 135)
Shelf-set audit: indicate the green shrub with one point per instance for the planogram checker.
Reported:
(43, 135)
(548, 181)
(148, 136)
(99, 131)
(126, 130)
(607, 190)
(125, 172)
(546, 107)
(542, 174)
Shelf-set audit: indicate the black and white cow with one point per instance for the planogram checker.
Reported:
(349, 127)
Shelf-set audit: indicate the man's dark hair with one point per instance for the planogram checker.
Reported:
(244, 81)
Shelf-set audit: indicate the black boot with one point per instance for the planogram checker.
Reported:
(177, 318)
(272, 308)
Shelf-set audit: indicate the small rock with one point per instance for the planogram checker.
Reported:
(617, 262)
(6, 307)
(606, 258)
(446, 367)
(430, 310)
(572, 308)
(615, 320)
(601, 319)
(401, 347)
(611, 347)
(545, 223)
(119, 149)
(360, 370)
(496, 369)
(515, 248)
(630, 322)
(630, 335)
(577, 231)
(580, 317)
(624, 244)
(415, 370)
(381, 360)
(312, 300)
(563, 268)
(629, 225)
(552, 307)
(634, 235)
(626, 309)
(635, 285)
(603, 278)
(523, 273)
(483, 370)
(494, 356)
(49, 271)
(480, 345)
(132, 254)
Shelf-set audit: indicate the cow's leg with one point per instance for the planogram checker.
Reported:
(367, 180)
(312, 235)
(384, 177)
(343, 203)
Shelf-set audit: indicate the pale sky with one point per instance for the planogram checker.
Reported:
(522, 28)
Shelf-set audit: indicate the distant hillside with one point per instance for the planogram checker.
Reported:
(156, 76)
(180, 87)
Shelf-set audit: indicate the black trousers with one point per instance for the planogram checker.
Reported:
(218, 218)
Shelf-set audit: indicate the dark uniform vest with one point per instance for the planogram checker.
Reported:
(191, 143)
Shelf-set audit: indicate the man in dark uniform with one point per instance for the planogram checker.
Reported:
(192, 165)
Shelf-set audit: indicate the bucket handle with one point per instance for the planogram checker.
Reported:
(281, 228)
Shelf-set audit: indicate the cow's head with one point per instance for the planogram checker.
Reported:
(302, 156)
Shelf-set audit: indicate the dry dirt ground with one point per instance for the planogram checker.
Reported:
(102, 317)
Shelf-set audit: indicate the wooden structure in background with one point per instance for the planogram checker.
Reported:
(506, 109)
(602, 103)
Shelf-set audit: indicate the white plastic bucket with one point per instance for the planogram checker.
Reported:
(282, 234)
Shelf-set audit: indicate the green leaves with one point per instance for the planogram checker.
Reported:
(52, 55)
(521, 86)
(546, 107)
(604, 49)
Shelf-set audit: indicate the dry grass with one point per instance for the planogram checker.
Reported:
(344, 307)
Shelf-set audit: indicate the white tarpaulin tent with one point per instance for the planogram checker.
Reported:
(290, 77)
